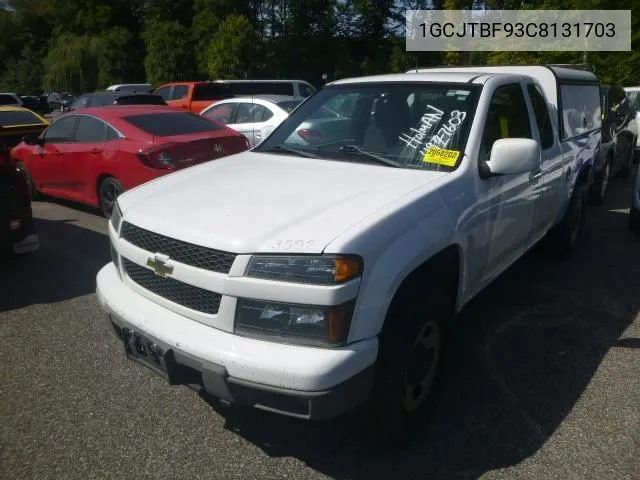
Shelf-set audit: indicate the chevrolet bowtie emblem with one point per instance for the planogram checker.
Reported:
(159, 266)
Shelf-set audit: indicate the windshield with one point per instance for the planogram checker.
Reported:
(409, 125)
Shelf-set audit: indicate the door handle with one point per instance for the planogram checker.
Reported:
(535, 176)
(58, 153)
(95, 151)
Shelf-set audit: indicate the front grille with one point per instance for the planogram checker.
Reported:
(188, 296)
(179, 251)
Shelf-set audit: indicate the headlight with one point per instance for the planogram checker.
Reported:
(297, 324)
(318, 270)
(116, 217)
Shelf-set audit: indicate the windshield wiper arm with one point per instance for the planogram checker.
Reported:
(295, 151)
(355, 150)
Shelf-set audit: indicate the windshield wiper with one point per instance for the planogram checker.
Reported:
(355, 150)
(295, 151)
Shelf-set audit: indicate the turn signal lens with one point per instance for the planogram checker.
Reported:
(346, 269)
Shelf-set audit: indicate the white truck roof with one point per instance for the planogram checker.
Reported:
(549, 76)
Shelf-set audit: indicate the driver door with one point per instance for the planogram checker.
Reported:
(49, 172)
(506, 203)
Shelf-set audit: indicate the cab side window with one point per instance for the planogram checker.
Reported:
(541, 113)
(508, 117)
(180, 92)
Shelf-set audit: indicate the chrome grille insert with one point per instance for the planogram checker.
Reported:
(177, 250)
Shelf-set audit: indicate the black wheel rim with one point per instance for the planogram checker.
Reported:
(422, 364)
(109, 193)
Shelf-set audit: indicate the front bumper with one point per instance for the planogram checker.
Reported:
(304, 382)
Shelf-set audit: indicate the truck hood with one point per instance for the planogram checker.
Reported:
(259, 202)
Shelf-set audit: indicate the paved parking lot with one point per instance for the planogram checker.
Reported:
(544, 381)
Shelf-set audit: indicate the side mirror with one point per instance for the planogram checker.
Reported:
(33, 140)
(510, 156)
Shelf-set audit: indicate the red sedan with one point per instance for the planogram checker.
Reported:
(92, 155)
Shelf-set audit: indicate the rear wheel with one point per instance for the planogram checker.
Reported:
(600, 187)
(404, 396)
(108, 192)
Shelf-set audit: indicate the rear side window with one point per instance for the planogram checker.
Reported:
(543, 119)
(8, 100)
(92, 130)
(19, 118)
(171, 123)
(211, 91)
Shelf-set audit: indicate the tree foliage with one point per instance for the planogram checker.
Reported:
(169, 50)
(231, 51)
(82, 45)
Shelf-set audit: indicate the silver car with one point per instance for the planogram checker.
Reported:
(254, 117)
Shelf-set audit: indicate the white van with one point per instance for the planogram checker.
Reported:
(298, 89)
(131, 87)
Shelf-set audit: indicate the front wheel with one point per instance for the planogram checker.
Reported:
(109, 191)
(33, 191)
(404, 396)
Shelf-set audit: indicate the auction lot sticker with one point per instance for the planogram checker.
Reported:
(441, 156)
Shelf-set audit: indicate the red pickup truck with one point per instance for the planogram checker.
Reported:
(193, 96)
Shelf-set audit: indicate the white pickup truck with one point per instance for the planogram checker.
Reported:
(318, 272)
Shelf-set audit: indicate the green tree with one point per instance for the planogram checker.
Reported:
(72, 63)
(119, 60)
(232, 50)
(169, 52)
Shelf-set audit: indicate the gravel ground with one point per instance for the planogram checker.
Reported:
(544, 381)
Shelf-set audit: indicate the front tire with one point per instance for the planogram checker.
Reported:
(33, 190)
(108, 192)
(408, 372)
